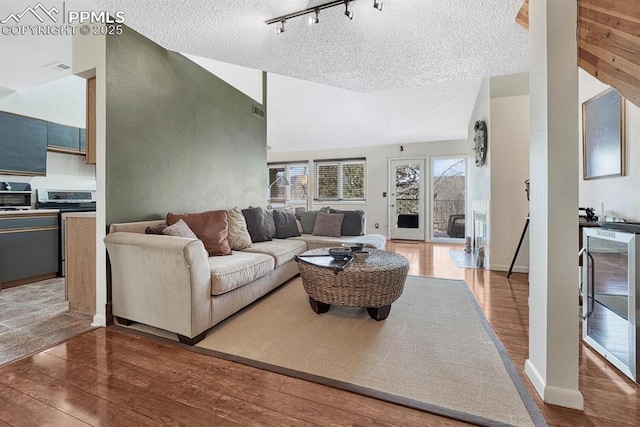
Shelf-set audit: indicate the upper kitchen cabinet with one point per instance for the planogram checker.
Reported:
(64, 139)
(23, 145)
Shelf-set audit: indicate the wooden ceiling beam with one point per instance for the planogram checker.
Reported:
(608, 42)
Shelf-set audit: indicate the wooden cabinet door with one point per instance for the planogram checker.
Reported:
(91, 121)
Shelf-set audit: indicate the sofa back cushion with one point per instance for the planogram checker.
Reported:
(353, 223)
(257, 224)
(308, 221)
(285, 222)
(328, 224)
(212, 227)
(239, 237)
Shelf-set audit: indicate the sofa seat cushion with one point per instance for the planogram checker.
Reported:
(282, 250)
(374, 241)
(232, 272)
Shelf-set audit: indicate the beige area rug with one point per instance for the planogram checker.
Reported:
(435, 351)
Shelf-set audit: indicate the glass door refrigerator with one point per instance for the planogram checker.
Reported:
(610, 295)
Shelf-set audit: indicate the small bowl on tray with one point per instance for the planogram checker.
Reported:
(361, 255)
(340, 253)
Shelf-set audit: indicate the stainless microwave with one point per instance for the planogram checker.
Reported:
(15, 200)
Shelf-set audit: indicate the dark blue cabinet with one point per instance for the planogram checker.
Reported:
(63, 138)
(23, 145)
(28, 247)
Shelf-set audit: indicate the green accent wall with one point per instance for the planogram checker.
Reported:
(178, 138)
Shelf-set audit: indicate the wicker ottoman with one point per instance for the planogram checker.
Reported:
(375, 283)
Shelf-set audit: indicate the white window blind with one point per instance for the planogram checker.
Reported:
(340, 179)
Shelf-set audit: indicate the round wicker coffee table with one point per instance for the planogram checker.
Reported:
(374, 283)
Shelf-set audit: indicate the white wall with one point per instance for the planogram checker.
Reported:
(509, 144)
(376, 206)
(61, 101)
(479, 177)
(619, 195)
(496, 189)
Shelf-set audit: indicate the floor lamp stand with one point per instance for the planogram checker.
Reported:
(524, 231)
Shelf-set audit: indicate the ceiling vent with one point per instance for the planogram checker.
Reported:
(58, 66)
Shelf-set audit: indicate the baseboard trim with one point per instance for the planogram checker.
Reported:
(567, 398)
(516, 268)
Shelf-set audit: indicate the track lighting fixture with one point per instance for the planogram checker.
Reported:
(315, 10)
(348, 13)
(314, 19)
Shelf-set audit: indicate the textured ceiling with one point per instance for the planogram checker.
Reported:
(410, 43)
(410, 73)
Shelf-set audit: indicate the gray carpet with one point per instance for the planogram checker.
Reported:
(463, 259)
(435, 351)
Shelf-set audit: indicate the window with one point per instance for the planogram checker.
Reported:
(341, 179)
(293, 172)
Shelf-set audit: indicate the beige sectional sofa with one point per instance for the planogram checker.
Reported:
(171, 283)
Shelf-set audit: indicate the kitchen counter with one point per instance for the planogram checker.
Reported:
(79, 214)
(29, 212)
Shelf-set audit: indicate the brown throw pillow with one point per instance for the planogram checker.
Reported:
(179, 229)
(328, 224)
(239, 237)
(353, 223)
(212, 227)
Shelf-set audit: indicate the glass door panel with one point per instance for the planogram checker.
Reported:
(407, 199)
(609, 297)
(448, 183)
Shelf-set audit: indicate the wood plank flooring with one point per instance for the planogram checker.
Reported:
(106, 377)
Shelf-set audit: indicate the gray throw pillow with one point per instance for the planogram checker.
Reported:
(285, 223)
(271, 225)
(257, 224)
(353, 223)
(328, 224)
(156, 229)
(308, 221)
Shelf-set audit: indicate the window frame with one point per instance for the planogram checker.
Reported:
(340, 163)
(288, 166)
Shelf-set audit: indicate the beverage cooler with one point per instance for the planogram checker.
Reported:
(610, 291)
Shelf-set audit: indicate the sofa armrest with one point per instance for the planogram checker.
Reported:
(162, 281)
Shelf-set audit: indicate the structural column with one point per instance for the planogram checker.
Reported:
(552, 366)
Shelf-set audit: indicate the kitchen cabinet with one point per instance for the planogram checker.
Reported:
(80, 260)
(91, 121)
(23, 145)
(28, 246)
(62, 138)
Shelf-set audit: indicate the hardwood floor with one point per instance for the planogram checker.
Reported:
(106, 377)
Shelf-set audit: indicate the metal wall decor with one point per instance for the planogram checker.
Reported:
(480, 142)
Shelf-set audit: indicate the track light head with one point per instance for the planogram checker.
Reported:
(378, 5)
(280, 30)
(315, 19)
(348, 13)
